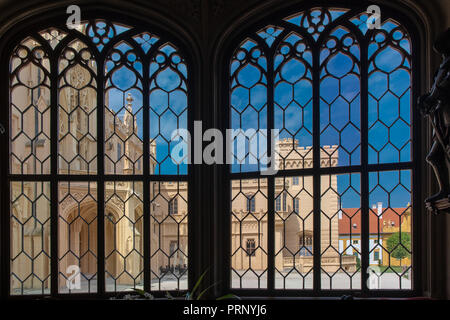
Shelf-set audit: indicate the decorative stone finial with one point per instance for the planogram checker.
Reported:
(129, 101)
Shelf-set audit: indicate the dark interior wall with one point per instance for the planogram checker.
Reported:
(206, 24)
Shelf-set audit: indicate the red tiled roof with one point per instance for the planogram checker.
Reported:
(351, 219)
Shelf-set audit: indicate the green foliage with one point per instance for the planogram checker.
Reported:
(192, 295)
(358, 262)
(399, 245)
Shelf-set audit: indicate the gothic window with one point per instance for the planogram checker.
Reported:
(92, 179)
(341, 96)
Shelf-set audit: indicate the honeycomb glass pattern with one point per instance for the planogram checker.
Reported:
(391, 234)
(30, 238)
(390, 98)
(133, 85)
(169, 212)
(77, 100)
(340, 138)
(123, 113)
(294, 233)
(168, 111)
(77, 232)
(340, 206)
(248, 107)
(29, 83)
(248, 226)
(337, 97)
(293, 103)
(124, 220)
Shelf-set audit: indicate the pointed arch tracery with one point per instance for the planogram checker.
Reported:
(340, 95)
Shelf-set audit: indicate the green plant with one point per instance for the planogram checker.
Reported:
(192, 294)
(358, 262)
(139, 294)
(399, 245)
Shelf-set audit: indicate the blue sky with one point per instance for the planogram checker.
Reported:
(389, 107)
(167, 89)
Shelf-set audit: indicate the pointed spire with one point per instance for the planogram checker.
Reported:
(129, 102)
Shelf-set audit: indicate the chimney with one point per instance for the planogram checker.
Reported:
(340, 214)
(380, 209)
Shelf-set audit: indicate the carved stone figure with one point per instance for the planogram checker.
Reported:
(436, 106)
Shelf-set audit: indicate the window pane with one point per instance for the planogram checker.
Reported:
(124, 236)
(329, 34)
(123, 111)
(169, 236)
(390, 95)
(77, 100)
(168, 112)
(340, 206)
(248, 100)
(294, 234)
(390, 229)
(30, 238)
(293, 103)
(340, 104)
(29, 109)
(77, 242)
(248, 271)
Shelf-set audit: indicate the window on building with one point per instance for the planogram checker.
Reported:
(342, 98)
(376, 255)
(251, 247)
(306, 244)
(296, 205)
(278, 204)
(61, 153)
(251, 204)
(173, 206)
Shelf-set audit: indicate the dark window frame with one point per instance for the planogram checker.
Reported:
(57, 19)
(212, 212)
(406, 19)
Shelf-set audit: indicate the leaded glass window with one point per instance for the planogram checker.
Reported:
(341, 96)
(97, 203)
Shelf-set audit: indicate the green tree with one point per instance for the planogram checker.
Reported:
(358, 261)
(399, 251)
